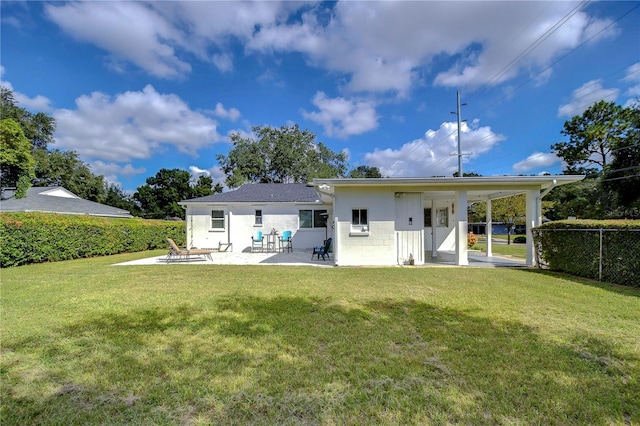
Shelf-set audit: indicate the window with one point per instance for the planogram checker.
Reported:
(427, 218)
(312, 218)
(217, 219)
(442, 217)
(320, 218)
(258, 217)
(359, 216)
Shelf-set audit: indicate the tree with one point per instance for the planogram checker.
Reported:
(64, 168)
(622, 177)
(365, 172)
(204, 186)
(510, 210)
(592, 136)
(38, 128)
(159, 197)
(284, 155)
(17, 166)
(116, 197)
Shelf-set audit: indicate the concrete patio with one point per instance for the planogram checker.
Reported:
(303, 258)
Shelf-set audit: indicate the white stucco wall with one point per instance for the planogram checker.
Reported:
(376, 245)
(240, 225)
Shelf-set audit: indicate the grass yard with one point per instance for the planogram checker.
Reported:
(515, 250)
(84, 342)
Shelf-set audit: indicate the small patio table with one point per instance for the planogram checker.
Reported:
(271, 241)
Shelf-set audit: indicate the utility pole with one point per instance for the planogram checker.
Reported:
(458, 113)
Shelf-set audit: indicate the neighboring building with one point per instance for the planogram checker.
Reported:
(56, 199)
(384, 221)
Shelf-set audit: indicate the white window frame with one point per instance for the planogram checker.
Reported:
(357, 226)
(258, 218)
(442, 217)
(222, 219)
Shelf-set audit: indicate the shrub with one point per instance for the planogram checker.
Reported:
(46, 237)
(520, 239)
(472, 240)
(607, 249)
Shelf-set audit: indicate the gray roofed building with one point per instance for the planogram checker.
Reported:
(263, 193)
(57, 199)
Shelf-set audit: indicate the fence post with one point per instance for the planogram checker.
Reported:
(600, 258)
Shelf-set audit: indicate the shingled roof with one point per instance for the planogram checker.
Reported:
(263, 193)
(57, 199)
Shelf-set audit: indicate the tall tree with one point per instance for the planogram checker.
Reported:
(365, 172)
(159, 197)
(284, 155)
(592, 136)
(204, 186)
(64, 168)
(38, 128)
(17, 166)
(622, 177)
(116, 197)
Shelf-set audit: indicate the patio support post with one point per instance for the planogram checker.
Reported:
(462, 228)
(489, 229)
(532, 220)
(434, 226)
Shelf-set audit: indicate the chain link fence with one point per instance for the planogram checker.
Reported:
(611, 255)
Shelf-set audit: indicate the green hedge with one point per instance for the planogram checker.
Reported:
(574, 247)
(45, 237)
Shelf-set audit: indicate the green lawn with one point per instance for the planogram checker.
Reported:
(84, 342)
(515, 250)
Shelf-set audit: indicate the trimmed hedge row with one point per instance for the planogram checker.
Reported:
(574, 247)
(47, 237)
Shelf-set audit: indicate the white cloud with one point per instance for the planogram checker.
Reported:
(431, 155)
(129, 31)
(585, 96)
(633, 76)
(132, 125)
(536, 161)
(111, 171)
(228, 114)
(342, 117)
(372, 46)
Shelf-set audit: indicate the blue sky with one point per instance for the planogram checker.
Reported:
(140, 86)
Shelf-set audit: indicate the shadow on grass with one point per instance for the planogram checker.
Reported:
(614, 288)
(312, 361)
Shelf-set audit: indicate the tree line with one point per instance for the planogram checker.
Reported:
(604, 144)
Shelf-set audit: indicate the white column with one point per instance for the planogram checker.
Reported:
(489, 230)
(434, 226)
(462, 226)
(532, 220)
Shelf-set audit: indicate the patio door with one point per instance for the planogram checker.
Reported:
(409, 227)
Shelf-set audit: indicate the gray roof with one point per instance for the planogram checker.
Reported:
(56, 199)
(263, 193)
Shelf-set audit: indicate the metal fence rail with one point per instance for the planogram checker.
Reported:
(603, 254)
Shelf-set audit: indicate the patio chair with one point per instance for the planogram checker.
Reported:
(322, 250)
(177, 253)
(286, 242)
(257, 241)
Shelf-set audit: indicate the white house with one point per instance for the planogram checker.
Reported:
(385, 221)
(227, 221)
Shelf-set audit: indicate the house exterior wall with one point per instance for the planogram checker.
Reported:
(240, 225)
(389, 239)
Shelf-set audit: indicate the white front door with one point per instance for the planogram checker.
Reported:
(409, 227)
